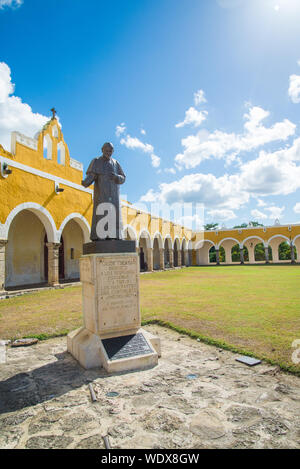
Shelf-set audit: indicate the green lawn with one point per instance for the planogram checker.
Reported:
(255, 309)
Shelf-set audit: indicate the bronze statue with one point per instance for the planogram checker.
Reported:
(106, 174)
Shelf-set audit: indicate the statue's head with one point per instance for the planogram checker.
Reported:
(107, 150)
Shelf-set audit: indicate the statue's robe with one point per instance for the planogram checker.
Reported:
(106, 190)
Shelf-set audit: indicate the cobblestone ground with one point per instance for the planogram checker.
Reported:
(197, 397)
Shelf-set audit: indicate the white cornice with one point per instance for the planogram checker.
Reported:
(42, 174)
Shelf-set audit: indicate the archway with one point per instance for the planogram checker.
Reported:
(70, 251)
(25, 262)
(167, 253)
(204, 254)
(176, 252)
(144, 251)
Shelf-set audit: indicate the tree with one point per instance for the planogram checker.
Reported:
(211, 226)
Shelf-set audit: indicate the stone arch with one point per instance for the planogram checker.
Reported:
(251, 243)
(81, 221)
(129, 233)
(25, 254)
(176, 251)
(184, 253)
(227, 244)
(274, 242)
(42, 213)
(168, 249)
(144, 250)
(202, 249)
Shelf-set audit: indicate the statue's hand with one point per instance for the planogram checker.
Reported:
(112, 175)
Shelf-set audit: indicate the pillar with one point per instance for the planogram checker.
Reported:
(150, 259)
(162, 259)
(3, 243)
(228, 257)
(242, 255)
(171, 253)
(267, 254)
(251, 253)
(53, 263)
(218, 256)
(292, 254)
(179, 259)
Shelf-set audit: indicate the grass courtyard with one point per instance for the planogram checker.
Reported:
(251, 309)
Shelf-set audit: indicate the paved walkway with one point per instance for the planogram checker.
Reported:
(197, 397)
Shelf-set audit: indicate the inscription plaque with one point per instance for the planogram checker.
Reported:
(126, 346)
(118, 292)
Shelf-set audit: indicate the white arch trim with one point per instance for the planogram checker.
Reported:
(41, 212)
(254, 237)
(227, 239)
(132, 232)
(82, 222)
(296, 237)
(279, 236)
(176, 239)
(184, 244)
(200, 243)
(170, 243)
(159, 238)
(147, 237)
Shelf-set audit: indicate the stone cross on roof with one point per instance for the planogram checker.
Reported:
(53, 110)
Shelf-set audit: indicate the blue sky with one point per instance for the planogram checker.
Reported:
(201, 98)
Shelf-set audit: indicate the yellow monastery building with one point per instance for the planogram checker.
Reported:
(45, 217)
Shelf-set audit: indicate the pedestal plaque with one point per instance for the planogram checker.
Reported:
(111, 315)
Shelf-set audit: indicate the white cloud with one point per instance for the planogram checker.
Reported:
(120, 129)
(193, 117)
(199, 97)
(218, 144)
(294, 89)
(221, 215)
(275, 212)
(297, 207)
(10, 3)
(225, 192)
(258, 214)
(261, 203)
(133, 143)
(170, 170)
(143, 131)
(273, 173)
(14, 114)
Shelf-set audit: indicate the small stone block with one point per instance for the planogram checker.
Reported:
(248, 361)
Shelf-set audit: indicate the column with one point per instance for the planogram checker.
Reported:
(186, 258)
(179, 259)
(218, 256)
(162, 259)
(242, 255)
(228, 255)
(150, 259)
(3, 243)
(267, 254)
(292, 254)
(171, 253)
(53, 263)
(251, 253)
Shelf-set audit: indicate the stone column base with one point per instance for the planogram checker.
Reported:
(91, 351)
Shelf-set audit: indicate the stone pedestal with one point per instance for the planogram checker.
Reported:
(112, 336)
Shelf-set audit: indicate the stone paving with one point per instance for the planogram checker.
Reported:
(197, 397)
